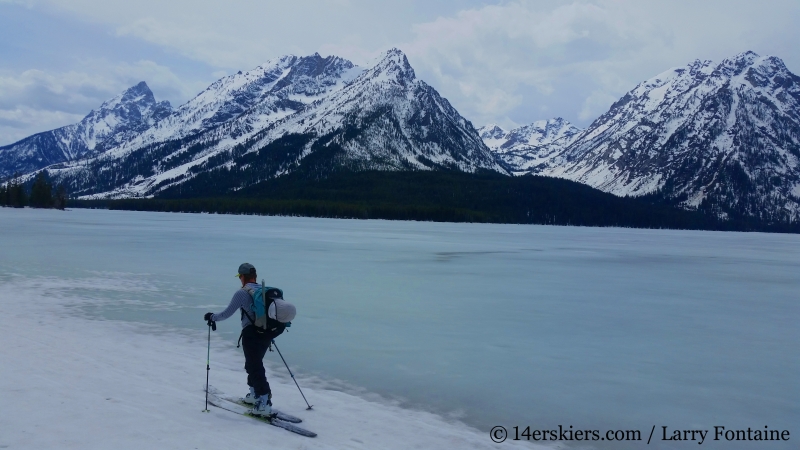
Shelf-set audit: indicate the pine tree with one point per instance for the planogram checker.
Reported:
(16, 195)
(19, 198)
(41, 192)
(61, 197)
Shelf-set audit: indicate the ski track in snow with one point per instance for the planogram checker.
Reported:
(69, 382)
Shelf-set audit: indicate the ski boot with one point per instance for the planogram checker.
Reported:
(250, 398)
(263, 406)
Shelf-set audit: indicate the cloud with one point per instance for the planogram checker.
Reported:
(494, 59)
(240, 34)
(67, 92)
(574, 59)
(201, 44)
(21, 122)
(35, 100)
(511, 63)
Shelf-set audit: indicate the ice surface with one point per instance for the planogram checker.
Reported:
(487, 324)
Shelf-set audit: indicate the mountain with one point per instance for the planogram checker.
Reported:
(116, 121)
(721, 138)
(258, 97)
(309, 114)
(525, 148)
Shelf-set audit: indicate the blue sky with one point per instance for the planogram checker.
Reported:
(505, 62)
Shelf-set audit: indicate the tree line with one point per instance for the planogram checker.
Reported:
(38, 194)
(446, 196)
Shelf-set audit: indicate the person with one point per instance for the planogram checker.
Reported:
(255, 341)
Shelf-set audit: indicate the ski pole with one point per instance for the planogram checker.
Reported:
(290, 373)
(208, 364)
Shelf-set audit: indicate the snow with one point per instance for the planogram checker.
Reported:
(528, 147)
(73, 383)
(700, 112)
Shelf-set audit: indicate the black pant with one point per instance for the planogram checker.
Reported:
(255, 345)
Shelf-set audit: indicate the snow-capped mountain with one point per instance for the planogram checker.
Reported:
(723, 138)
(117, 120)
(526, 148)
(309, 114)
(272, 91)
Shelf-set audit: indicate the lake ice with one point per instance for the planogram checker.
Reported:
(599, 328)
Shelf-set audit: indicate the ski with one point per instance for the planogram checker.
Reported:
(238, 401)
(280, 415)
(274, 421)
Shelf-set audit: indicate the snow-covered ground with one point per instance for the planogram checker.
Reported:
(72, 383)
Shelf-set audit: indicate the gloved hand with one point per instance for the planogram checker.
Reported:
(210, 322)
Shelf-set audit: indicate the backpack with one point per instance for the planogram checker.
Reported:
(268, 300)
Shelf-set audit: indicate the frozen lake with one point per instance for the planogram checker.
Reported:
(491, 324)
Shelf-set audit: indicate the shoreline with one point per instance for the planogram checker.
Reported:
(72, 382)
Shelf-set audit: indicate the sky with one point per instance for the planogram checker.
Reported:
(508, 62)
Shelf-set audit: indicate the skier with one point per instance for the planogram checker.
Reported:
(255, 342)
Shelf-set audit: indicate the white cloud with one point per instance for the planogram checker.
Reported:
(240, 34)
(490, 59)
(66, 91)
(574, 59)
(35, 100)
(201, 44)
(21, 122)
(596, 104)
(513, 62)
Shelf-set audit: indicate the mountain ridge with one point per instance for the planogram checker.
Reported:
(722, 138)
(376, 118)
(524, 149)
(115, 121)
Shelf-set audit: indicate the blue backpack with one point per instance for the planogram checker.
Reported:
(266, 297)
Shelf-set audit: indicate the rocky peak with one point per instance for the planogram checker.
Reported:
(545, 130)
(526, 149)
(135, 106)
(736, 65)
(535, 134)
(491, 131)
(139, 96)
(311, 75)
(392, 66)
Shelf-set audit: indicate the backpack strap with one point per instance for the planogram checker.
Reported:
(244, 313)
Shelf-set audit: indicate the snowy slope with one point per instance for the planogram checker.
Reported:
(393, 120)
(723, 138)
(529, 148)
(267, 122)
(263, 95)
(107, 384)
(117, 120)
